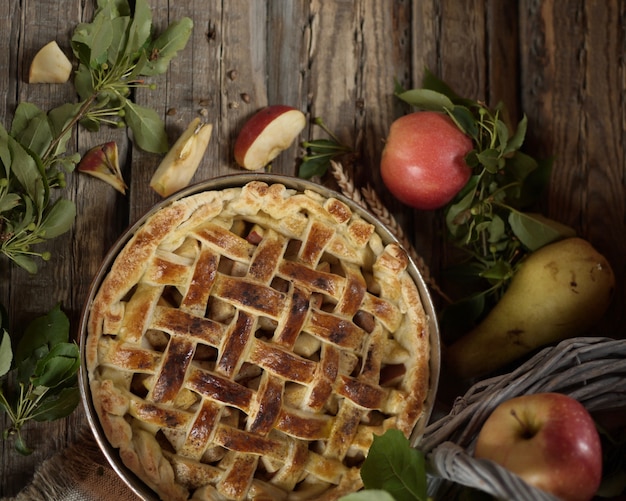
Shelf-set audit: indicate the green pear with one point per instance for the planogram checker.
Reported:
(560, 291)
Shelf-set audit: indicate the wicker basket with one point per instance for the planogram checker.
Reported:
(592, 370)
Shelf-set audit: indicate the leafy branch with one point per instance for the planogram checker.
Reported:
(116, 52)
(40, 376)
(489, 221)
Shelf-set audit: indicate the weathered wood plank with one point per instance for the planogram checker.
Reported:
(29, 295)
(577, 48)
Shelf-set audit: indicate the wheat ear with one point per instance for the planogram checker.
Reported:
(369, 199)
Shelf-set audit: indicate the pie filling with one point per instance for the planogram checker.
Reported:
(248, 343)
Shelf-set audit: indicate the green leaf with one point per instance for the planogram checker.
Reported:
(457, 213)
(426, 99)
(496, 229)
(83, 82)
(500, 270)
(24, 113)
(58, 366)
(25, 262)
(37, 136)
(9, 201)
(58, 405)
(314, 166)
(516, 141)
(166, 46)
(321, 146)
(537, 178)
(91, 41)
(490, 160)
(535, 230)
(432, 82)
(147, 127)
(27, 172)
(58, 219)
(394, 466)
(43, 332)
(6, 353)
(60, 119)
(464, 120)
(139, 32)
(118, 49)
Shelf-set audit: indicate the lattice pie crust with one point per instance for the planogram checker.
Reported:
(248, 342)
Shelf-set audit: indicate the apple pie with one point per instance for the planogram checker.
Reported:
(248, 342)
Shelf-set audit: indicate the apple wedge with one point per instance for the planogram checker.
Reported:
(50, 65)
(102, 162)
(182, 160)
(266, 134)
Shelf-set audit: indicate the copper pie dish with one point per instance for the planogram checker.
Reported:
(247, 338)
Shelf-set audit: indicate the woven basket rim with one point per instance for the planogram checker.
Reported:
(589, 369)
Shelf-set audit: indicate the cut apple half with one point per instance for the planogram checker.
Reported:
(266, 134)
(50, 65)
(182, 160)
(102, 162)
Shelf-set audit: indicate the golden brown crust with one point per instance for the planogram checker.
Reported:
(247, 344)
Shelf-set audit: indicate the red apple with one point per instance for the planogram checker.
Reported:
(423, 162)
(266, 134)
(548, 439)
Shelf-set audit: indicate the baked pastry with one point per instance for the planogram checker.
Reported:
(247, 343)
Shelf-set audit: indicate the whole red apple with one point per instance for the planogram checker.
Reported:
(548, 439)
(423, 162)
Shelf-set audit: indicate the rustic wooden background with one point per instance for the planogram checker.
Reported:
(559, 61)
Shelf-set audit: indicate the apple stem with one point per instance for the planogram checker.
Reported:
(527, 432)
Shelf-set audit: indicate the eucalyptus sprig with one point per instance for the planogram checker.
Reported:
(320, 152)
(116, 52)
(490, 221)
(39, 378)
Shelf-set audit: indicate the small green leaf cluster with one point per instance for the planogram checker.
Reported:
(489, 221)
(116, 52)
(39, 377)
(320, 152)
(27, 214)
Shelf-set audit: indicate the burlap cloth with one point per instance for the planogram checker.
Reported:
(78, 473)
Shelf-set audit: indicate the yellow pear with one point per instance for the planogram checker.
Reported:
(560, 291)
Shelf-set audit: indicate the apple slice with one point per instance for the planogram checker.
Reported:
(266, 134)
(102, 162)
(182, 160)
(50, 65)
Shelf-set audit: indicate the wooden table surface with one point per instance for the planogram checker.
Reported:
(559, 61)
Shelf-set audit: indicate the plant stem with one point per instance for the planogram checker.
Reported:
(82, 111)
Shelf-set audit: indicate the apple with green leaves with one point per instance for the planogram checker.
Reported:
(548, 439)
(266, 134)
(423, 161)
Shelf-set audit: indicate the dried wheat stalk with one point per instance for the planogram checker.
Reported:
(369, 199)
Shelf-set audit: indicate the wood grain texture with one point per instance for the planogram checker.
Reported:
(561, 63)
